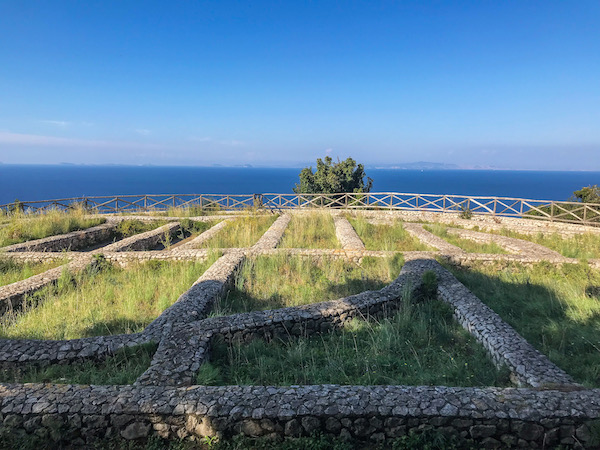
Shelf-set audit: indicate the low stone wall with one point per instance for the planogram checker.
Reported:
(12, 295)
(143, 241)
(273, 235)
(346, 234)
(511, 244)
(15, 352)
(430, 239)
(528, 366)
(525, 226)
(124, 259)
(556, 412)
(203, 237)
(69, 241)
(491, 417)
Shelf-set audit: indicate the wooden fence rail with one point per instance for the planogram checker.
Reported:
(557, 211)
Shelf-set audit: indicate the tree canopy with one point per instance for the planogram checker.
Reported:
(588, 194)
(333, 177)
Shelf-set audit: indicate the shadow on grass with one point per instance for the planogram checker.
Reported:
(556, 309)
(240, 301)
(120, 368)
(114, 326)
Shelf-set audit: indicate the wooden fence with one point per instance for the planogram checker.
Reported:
(559, 211)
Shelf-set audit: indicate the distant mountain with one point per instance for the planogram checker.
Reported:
(421, 165)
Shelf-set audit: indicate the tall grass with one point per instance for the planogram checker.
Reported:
(466, 244)
(312, 230)
(123, 367)
(557, 309)
(580, 246)
(25, 227)
(420, 345)
(270, 282)
(103, 301)
(12, 271)
(385, 237)
(130, 227)
(242, 232)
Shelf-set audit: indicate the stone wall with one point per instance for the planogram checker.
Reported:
(144, 241)
(70, 241)
(491, 417)
(511, 244)
(346, 234)
(12, 295)
(552, 409)
(524, 226)
(430, 239)
(203, 237)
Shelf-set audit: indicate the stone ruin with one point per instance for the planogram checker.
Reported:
(547, 409)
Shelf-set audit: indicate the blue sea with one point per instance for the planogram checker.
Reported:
(36, 182)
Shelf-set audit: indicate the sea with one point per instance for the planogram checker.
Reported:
(45, 182)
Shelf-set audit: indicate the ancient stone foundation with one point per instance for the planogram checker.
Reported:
(546, 409)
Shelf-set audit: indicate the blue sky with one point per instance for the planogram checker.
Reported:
(509, 84)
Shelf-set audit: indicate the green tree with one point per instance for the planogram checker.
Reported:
(588, 194)
(332, 178)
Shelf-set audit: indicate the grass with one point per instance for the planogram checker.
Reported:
(12, 271)
(189, 228)
(581, 246)
(312, 230)
(385, 237)
(130, 227)
(26, 227)
(420, 345)
(270, 282)
(466, 244)
(103, 300)
(123, 367)
(416, 439)
(242, 232)
(557, 309)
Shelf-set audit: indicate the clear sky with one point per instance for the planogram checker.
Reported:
(511, 84)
